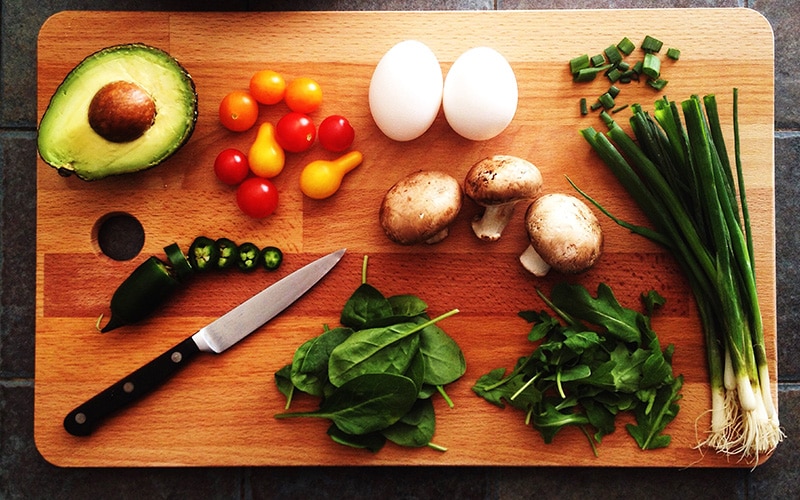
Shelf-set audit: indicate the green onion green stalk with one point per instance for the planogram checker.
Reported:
(679, 173)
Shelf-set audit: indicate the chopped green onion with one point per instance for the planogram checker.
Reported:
(598, 60)
(578, 63)
(618, 109)
(596, 105)
(614, 91)
(651, 44)
(626, 46)
(588, 74)
(658, 83)
(584, 107)
(606, 100)
(613, 55)
(614, 74)
(637, 67)
(623, 66)
(652, 66)
(673, 53)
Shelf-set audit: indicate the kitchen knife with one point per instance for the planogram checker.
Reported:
(215, 337)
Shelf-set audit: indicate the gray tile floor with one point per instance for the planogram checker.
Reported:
(24, 474)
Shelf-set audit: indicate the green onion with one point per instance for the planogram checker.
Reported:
(606, 100)
(626, 46)
(614, 91)
(588, 74)
(578, 63)
(651, 44)
(584, 107)
(613, 55)
(614, 74)
(679, 173)
(598, 60)
(658, 83)
(651, 66)
(673, 53)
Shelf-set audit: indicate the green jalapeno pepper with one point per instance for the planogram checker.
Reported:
(141, 293)
(178, 261)
(271, 258)
(203, 254)
(249, 254)
(227, 253)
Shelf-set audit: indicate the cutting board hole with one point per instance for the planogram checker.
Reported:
(120, 236)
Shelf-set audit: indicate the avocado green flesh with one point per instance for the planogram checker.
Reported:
(68, 143)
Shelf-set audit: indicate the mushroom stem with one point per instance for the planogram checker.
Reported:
(490, 225)
(533, 262)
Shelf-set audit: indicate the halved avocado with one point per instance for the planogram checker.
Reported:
(123, 109)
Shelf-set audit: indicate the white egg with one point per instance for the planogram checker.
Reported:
(480, 94)
(405, 92)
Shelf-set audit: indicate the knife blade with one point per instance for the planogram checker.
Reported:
(215, 338)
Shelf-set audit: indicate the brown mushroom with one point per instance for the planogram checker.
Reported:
(420, 207)
(564, 235)
(498, 183)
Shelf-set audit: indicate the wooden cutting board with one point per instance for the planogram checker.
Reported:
(219, 411)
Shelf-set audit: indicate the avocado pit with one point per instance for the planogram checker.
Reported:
(121, 111)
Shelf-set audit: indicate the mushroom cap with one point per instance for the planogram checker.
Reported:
(502, 179)
(565, 232)
(420, 206)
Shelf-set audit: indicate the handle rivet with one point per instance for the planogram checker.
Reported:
(80, 418)
(128, 387)
(176, 357)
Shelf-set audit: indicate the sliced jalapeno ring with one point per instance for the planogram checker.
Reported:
(142, 292)
(271, 258)
(177, 259)
(203, 254)
(248, 256)
(226, 253)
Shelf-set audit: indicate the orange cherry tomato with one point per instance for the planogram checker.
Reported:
(238, 111)
(267, 86)
(303, 95)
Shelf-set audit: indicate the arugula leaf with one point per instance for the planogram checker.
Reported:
(603, 311)
(603, 361)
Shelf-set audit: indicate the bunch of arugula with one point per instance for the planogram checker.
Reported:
(377, 372)
(582, 376)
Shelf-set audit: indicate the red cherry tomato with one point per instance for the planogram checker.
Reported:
(231, 166)
(257, 197)
(336, 134)
(295, 132)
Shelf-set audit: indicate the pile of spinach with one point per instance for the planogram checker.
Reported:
(583, 376)
(377, 372)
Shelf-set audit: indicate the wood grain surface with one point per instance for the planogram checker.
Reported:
(220, 410)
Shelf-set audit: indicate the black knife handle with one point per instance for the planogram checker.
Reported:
(85, 418)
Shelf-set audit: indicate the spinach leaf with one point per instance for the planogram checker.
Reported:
(366, 305)
(365, 404)
(373, 441)
(444, 360)
(283, 379)
(309, 369)
(407, 306)
(416, 428)
(374, 350)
